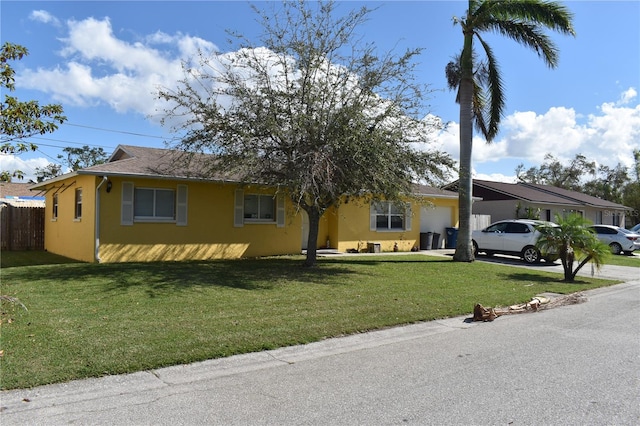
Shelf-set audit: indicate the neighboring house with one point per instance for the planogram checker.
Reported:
(21, 217)
(141, 206)
(523, 200)
(20, 194)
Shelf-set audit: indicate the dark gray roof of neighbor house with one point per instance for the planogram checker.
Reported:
(543, 194)
(577, 196)
(521, 192)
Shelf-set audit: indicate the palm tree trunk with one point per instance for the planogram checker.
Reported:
(464, 248)
(568, 257)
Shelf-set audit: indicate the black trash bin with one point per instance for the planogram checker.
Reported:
(426, 239)
(452, 238)
(436, 241)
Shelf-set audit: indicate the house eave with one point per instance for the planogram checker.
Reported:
(442, 197)
(153, 176)
(40, 186)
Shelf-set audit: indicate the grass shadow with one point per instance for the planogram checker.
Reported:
(13, 259)
(374, 260)
(555, 279)
(164, 277)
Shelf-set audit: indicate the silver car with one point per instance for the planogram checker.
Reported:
(516, 237)
(620, 240)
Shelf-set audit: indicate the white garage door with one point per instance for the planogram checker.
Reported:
(435, 219)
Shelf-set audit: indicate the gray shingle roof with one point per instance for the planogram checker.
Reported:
(137, 161)
(128, 160)
(525, 193)
(544, 194)
(426, 190)
(13, 189)
(577, 196)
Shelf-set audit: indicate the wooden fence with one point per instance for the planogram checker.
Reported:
(22, 228)
(480, 221)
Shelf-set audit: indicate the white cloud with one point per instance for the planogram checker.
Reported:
(101, 68)
(529, 135)
(495, 177)
(483, 152)
(607, 136)
(104, 69)
(28, 167)
(627, 96)
(44, 17)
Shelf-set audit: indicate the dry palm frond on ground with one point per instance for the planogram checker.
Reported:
(480, 313)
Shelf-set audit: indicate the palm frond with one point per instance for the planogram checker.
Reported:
(549, 14)
(531, 36)
(524, 21)
(495, 88)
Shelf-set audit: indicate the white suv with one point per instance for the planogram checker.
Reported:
(516, 237)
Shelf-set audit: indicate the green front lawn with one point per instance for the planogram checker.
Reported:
(624, 260)
(87, 320)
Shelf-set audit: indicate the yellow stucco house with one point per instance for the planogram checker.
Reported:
(132, 209)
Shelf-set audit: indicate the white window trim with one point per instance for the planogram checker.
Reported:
(238, 212)
(128, 218)
(373, 224)
(55, 206)
(252, 220)
(76, 203)
(155, 219)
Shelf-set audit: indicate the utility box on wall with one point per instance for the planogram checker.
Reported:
(373, 247)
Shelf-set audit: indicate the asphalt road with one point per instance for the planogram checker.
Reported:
(571, 365)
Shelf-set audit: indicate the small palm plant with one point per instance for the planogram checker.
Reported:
(572, 240)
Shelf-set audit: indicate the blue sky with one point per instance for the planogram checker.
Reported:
(103, 61)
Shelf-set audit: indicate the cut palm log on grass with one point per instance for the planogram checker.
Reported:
(480, 313)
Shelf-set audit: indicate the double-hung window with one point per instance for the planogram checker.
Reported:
(78, 204)
(157, 204)
(388, 216)
(259, 208)
(616, 219)
(54, 213)
(140, 204)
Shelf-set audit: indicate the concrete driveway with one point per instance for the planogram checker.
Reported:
(572, 365)
(606, 271)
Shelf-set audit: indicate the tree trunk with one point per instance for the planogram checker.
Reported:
(568, 257)
(584, 262)
(569, 276)
(312, 243)
(464, 247)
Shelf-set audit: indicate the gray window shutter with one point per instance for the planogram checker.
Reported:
(181, 205)
(407, 218)
(127, 204)
(238, 213)
(372, 217)
(280, 211)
